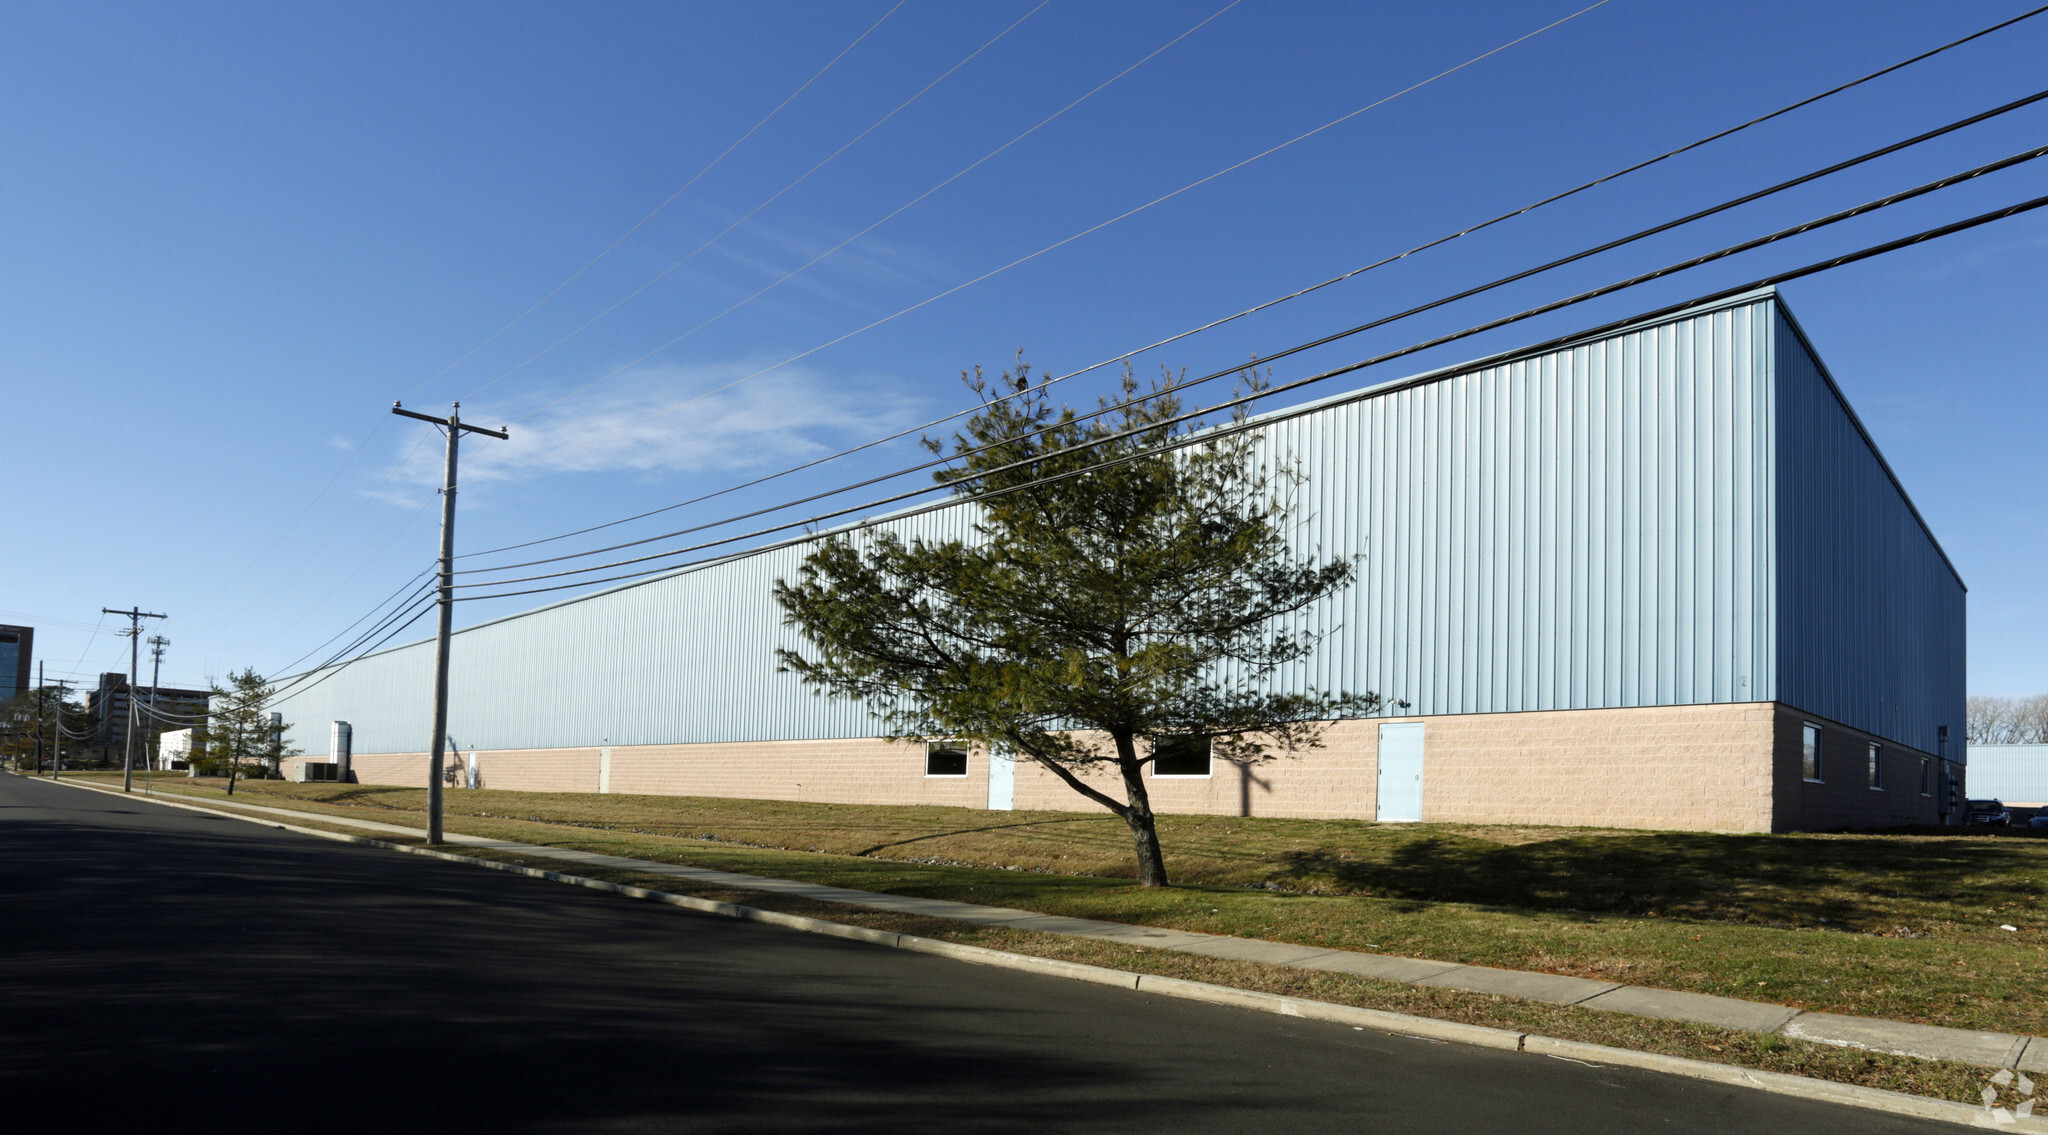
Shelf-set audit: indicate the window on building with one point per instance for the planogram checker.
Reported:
(1926, 777)
(1876, 766)
(1180, 756)
(945, 758)
(1809, 753)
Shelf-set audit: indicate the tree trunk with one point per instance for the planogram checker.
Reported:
(1144, 830)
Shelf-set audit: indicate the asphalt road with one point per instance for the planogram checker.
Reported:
(167, 971)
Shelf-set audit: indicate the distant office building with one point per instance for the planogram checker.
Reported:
(17, 650)
(163, 709)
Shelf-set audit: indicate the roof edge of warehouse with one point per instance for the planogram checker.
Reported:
(1687, 309)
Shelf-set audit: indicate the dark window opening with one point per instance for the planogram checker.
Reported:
(945, 758)
(1180, 756)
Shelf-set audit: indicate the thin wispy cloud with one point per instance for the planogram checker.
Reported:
(782, 418)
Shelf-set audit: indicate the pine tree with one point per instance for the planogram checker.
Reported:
(1093, 619)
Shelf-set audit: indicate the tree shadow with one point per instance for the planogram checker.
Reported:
(1865, 884)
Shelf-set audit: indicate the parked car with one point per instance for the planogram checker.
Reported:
(2040, 819)
(1991, 812)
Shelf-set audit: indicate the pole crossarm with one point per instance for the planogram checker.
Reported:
(449, 421)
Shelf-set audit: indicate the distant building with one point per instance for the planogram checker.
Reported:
(163, 708)
(176, 748)
(17, 650)
(2015, 774)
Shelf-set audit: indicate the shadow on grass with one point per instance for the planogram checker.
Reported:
(1864, 884)
(976, 831)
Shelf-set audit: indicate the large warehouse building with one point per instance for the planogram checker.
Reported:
(1659, 578)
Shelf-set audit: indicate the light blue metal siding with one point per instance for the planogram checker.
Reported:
(1592, 526)
(2012, 773)
(680, 659)
(1871, 629)
(1583, 528)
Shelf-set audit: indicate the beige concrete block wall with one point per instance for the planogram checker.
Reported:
(1699, 768)
(1338, 781)
(869, 771)
(1843, 797)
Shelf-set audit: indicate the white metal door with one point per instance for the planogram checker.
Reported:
(1002, 781)
(1400, 795)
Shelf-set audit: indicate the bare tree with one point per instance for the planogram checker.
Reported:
(1991, 720)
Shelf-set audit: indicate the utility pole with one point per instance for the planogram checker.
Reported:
(454, 427)
(41, 697)
(157, 643)
(134, 633)
(57, 760)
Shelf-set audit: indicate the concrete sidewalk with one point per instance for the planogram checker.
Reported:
(1929, 1042)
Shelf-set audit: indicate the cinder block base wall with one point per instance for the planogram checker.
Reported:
(1698, 768)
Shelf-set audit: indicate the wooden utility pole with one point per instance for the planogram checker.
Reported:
(134, 632)
(41, 698)
(454, 426)
(157, 643)
(57, 758)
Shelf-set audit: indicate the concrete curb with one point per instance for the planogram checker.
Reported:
(1427, 1028)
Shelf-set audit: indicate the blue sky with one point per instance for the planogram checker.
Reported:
(234, 234)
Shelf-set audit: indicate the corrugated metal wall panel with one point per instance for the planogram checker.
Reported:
(1595, 526)
(2012, 773)
(1871, 628)
(1579, 529)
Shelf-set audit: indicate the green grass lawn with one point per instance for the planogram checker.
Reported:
(1905, 926)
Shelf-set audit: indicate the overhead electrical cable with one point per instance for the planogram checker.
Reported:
(207, 602)
(287, 693)
(1788, 108)
(427, 574)
(373, 495)
(1772, 280)
(666, 202)
(398, 529)
(994, 271)
(1283, 388)
(556, 290)
(957, 175)
(1467, 293)
(749, 214)
(389, 625)
(1778, 278)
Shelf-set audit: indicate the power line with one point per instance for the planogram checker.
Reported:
(957, 175)
(666, 202)
(1384, 320)
(1779, 278)
(537, 304)
(1542, 309)
(1012, 263)
(749, 214)
(288, 692)
(1783, 110)
(293, 523)
(381, 604)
